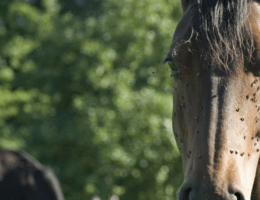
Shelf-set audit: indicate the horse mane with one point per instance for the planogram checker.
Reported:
(222, 31)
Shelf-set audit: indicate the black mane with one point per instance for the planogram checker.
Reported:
(222, 32)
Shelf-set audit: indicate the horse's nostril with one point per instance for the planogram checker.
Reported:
(192, 191)
(186, 194)
(239, 196)
(185, 191)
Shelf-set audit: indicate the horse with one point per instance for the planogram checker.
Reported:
(215, 65)
(24, 178)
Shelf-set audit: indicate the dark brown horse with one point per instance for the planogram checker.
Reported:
(24, 178)
(215, 66)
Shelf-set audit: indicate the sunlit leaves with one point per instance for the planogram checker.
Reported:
(19, 47)
(90, 96)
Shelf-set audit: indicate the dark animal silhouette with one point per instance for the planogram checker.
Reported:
(24, 178)
(215, 64)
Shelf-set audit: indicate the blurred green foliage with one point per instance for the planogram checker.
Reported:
(83, 90)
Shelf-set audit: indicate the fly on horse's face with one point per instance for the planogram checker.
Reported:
(216, 110)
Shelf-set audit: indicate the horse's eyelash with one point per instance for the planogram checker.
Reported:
(168, 59)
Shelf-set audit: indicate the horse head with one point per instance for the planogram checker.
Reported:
(216, 116)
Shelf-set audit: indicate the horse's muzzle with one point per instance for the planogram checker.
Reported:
(191, 191)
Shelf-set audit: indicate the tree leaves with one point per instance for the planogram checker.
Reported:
(87, 94)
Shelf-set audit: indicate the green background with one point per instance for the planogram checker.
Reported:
(83, 90)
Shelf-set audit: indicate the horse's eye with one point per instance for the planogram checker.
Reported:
(173, 66)
(175, 69)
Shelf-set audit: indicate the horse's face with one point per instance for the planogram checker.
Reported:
(216, 118)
